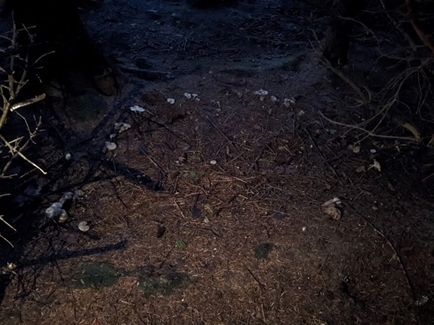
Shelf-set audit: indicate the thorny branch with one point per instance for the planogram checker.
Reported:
(17, 151)
(9, 94)
(13, 72)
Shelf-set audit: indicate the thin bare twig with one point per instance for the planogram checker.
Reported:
(399, 29)
(341, 75)
(15, 79)
(323, 157)
(396, 84)
(27, 102)
(231, 143)
(398, 256)
(17, 151)
(6, 240)
(370, 133)
(261, 285)
(7, 223)
(382, 112)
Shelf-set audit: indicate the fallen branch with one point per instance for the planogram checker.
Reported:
(398, 256)
(322, 155)
(6, 240)
(340, 74)
(379, 112)
(370, 133)
(27, 102)
(7, 223)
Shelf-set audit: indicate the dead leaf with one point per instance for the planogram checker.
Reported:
(413, 130)
(331, 208)
(355, 149)
(375, 165)
(332, 212)
(334, 201)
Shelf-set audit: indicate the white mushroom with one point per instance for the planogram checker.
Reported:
(63, 216)
(110, 145)
(83, 226)
(137, 109)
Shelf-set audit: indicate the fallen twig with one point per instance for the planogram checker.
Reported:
(261, 285)
(397, 82)
(398, 256)
(7, 223)
(27, 102)
(6, 240)
(340, 74)
(370, 133)
(323, 157)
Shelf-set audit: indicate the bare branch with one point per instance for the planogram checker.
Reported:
(6, 240)
(27, 102)
(7, 223)
(370, 133)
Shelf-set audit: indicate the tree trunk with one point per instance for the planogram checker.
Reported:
(337, 38)
(58, 28)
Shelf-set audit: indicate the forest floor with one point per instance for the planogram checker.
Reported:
(209, 210)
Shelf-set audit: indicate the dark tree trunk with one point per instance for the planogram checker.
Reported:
(337, 38)
(58, 28)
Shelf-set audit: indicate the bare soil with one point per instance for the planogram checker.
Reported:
(209, 209)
